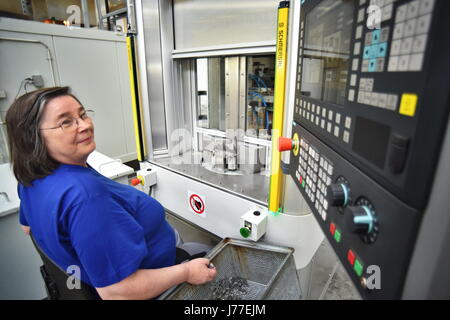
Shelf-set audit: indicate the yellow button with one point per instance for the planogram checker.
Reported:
(296, 144)
(409, 104)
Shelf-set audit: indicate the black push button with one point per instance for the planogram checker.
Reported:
(398, 152)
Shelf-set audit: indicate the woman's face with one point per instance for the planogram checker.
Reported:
(68, 146)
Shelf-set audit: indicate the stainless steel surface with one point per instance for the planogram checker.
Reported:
(154, 70)
(268, 270)
(114, 13)
(216, 94)
(242, 93)
(228, 21)
(143, 80)
(254, 187)
(167, 46)
(131, 16)
(232, 93)
(184, 93)
(227, 50)
(98, 7)
(85, 10)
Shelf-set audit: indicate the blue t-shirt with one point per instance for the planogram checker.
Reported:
(109, 230)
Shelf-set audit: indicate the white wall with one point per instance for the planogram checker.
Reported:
(92, 62)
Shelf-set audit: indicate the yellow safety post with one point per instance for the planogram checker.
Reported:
(278, 113)
(135, 101)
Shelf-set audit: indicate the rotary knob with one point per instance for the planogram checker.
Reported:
(360, 219)
(338, 194)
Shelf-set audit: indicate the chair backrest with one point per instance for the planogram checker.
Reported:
(56, 278)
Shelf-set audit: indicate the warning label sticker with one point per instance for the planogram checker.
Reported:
(197, 204)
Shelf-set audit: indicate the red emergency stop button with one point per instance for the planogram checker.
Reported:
(285, 144)
(135, 181)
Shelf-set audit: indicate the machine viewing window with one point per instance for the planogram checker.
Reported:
(326, 50)
(259, 90)
(224, 110)
(260, 85)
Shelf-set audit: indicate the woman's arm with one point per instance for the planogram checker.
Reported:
(149, 283)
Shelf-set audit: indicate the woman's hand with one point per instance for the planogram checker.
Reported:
(199, 271)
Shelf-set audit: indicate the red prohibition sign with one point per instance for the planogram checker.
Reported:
(196, 204)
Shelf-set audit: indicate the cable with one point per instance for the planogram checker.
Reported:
(20, 87)
(256, 94)
(258, 81)
(150, 191)
(26, 83)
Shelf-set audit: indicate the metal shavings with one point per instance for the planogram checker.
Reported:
(231, 288)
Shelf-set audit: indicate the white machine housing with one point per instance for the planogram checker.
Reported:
(224, 209)
(169, 110)
(113, 169)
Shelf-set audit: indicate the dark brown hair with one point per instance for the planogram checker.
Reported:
(29, 156)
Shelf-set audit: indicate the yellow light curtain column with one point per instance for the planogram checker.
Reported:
(278, 114)
(135, 102)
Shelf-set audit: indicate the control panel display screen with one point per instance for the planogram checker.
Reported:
(326, 52)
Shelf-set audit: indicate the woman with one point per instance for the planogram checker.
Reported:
(115, 234)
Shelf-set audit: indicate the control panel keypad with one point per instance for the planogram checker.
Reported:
(335, 124)
(375, 52)
(410, 36)
(366, 95)
(314, 173)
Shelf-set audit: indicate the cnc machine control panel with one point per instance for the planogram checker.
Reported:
(371, 108)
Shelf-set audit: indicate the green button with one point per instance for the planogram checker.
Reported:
(303, 184)
(358, 268)
(337, 236)
(245, 232)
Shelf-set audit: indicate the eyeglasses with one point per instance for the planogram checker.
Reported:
(71, 124)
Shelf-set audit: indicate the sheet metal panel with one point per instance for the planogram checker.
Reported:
(227, 21)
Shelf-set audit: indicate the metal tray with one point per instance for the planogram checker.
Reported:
(259, 271)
